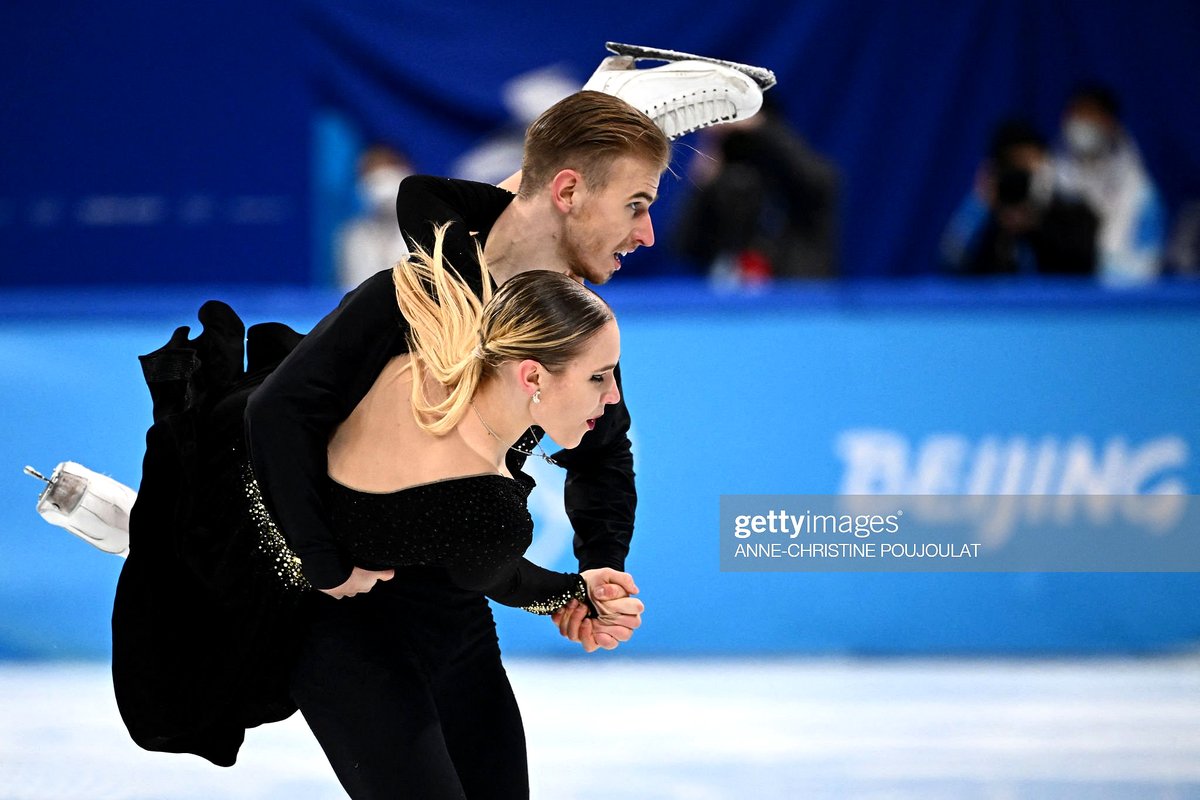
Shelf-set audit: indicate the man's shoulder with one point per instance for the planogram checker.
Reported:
(443, 186)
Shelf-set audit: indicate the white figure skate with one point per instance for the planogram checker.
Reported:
(92, 506)
(687, 93)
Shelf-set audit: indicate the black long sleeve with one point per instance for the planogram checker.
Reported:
(290, 418)
(522, 584)
(424, 202)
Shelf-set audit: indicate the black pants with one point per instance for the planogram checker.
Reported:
(404, 689)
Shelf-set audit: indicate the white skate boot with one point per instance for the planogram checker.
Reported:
(92, 506)
(686, 94)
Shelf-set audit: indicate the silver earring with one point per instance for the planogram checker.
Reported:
(537, 396)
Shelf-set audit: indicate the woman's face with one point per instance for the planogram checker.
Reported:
(573, 398)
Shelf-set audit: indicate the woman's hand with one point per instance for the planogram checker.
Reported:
(360, 581)
(610, 592)
(619, 614)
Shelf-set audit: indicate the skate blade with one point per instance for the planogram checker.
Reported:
(764, 77)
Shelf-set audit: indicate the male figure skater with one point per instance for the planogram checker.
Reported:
(561, 218)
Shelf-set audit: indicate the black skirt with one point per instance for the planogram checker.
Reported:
(210, 606)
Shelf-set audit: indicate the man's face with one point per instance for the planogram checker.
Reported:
(608, 223)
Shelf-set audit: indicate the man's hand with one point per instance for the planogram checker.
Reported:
(619, 614)
(360, 581)
(593, 635)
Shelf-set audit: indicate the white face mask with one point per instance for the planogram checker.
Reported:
(1084, 138)
(378, 188)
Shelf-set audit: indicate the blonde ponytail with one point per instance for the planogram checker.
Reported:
(444, 318)
(458, 339)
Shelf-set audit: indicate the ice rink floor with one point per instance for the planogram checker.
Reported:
(605, 728)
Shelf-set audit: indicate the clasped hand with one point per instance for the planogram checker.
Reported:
(360, 581)
(620, 614)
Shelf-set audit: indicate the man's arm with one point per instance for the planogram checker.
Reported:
(290, 418)
(424, 202)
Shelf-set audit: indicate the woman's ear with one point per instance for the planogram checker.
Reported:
(530, 375)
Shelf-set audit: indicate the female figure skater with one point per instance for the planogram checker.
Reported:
(221, 634)
(403, 685)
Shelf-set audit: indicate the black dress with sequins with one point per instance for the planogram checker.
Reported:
(404, 686)
(212, 607)
(476, 528)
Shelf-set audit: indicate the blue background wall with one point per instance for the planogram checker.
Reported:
(730, 395)
(152, 143)
(169, 143)
(159, 154)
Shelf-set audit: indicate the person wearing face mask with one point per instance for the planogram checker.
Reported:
(1014, 221)
(1098, 162)
(371, 241)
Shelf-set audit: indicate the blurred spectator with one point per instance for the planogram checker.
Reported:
(1099, 163)
(765, 203)
(525, 96)
(1183, 251)
(1015, 221)
(372, 241)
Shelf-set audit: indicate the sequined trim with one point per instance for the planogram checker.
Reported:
(552, 604)
(272, 546)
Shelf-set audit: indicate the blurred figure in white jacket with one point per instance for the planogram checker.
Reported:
(1099, 162)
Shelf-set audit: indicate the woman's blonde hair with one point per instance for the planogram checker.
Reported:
(459, 340)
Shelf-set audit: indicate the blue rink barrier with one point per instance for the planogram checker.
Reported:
(897, 389)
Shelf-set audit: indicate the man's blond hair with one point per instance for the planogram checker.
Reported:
(587, 132)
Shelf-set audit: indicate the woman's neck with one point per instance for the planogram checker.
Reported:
(495, 423)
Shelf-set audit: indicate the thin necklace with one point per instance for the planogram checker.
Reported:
(542, 455)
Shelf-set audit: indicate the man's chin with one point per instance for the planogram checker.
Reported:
(599, 277)
(596, 274)
(593, 277)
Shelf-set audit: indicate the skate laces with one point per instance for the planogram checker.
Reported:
(694, 110)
